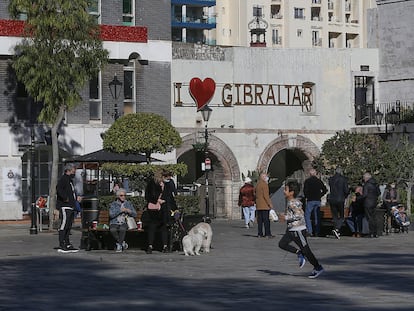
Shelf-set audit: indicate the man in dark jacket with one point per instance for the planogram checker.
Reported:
(339, 190)
(314, 190)
(370, 194)
(66, 204)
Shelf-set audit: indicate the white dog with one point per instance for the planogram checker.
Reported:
(192, 244)
(205, 230)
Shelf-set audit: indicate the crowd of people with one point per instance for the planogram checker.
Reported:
(362, 201)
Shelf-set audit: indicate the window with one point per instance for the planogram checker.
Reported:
(95, 103)
(299, 13)
(95, 10)
(257, 11)
(128, 12)
(129, 88)
(275, 36)
(299, 33)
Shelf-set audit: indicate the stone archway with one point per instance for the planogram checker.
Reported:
(286, 157)
(288, 142)
(224, 178)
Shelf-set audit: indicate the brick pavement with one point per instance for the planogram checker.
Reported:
(242, 272)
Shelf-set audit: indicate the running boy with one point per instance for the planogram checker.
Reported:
(296, 230)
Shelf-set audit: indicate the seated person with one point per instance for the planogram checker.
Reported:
(356, 213)
(117, 222)
(400, 215)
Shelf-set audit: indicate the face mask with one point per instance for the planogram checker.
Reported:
(166, 180)
(72, 175)
(392, 186)
(267, 179)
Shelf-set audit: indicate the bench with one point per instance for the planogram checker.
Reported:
(99, 236)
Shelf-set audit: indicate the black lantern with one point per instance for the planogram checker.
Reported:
(115, 87)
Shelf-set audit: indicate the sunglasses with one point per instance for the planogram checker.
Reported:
(122, 195)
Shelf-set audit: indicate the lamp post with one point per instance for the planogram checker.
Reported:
(206, 113)
(33, 227)
(115, 87)
(391, 117)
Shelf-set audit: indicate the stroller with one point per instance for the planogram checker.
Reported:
(400, 222)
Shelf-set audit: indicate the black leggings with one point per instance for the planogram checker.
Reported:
(300, 240)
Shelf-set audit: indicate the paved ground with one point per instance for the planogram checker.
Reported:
(242, 272)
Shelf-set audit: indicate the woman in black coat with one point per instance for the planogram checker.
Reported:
(156, 218)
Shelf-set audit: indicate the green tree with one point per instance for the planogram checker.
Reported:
(356, 154)
(146, 133)
(61, 50)
(402, 168)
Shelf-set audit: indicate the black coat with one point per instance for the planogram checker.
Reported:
(66, 196)
(339, 190)
(370, 193)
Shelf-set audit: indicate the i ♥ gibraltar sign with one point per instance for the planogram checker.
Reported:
(202, 91)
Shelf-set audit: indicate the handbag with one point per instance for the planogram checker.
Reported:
(131, 222)
(273, 216)
(154, 206)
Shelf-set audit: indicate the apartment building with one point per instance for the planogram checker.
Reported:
(293, 23)
(137, 35)
(193, 21)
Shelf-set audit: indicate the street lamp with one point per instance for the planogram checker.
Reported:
(115, 87)
(391, 117)
(206, 113)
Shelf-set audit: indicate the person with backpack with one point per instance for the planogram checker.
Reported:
(370, 195)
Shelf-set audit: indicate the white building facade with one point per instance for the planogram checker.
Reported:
(272, 110)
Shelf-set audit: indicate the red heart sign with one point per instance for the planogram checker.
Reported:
(202, 91)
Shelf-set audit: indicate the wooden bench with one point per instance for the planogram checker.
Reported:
(99, 237)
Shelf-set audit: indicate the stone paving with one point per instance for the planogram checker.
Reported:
(242, 272)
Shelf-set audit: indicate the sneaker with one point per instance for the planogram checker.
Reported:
(63, 250)
(316, 272)
(118, 248)
(124, 245)
(336, 234)
(149, 250)
(165, 249)
(302, 260)
(247, 226)
(68, 249)
(72, 249)
(251, 223)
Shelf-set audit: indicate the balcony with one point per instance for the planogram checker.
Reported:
(318, 2)
(195, 22)
(200, 3)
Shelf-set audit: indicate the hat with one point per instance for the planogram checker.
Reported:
(247, 180)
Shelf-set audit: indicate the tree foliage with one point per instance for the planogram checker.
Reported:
(60, 52)
(142, 133)
(356, 154)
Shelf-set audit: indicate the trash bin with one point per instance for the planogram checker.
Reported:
(90, 211)
(380, 218)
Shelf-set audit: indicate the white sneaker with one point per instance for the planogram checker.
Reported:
(124, 245)
(336, 234)
(118, 248)
(247, 226)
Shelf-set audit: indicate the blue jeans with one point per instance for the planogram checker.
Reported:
(249, 213)
(312, 207)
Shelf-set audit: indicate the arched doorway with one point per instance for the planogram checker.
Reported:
(224, 177)
(286, 157)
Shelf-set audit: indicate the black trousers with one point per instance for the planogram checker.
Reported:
(337, 210)
(370, 214)
(66, 215)
(299, 238)
(263, 221)
(156, 220)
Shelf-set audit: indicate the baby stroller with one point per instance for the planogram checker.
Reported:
(399, 219)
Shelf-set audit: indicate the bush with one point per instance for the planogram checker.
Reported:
(189, 204)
